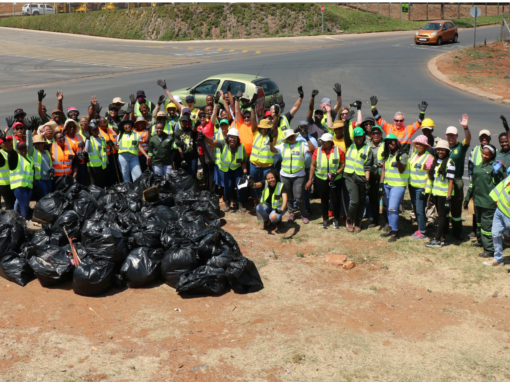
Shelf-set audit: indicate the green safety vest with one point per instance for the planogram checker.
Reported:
(227, 162)
(501, 196)
(218, 137)
(284, 123)
(419, 176)
(380, 160)
(260, 151)
(439, 186)
(138, 113)
(276, 199)
(476, 156)
(293, 160)
(37, 163)
(129, 143)
(4, 171)
(97, 157)
(355, 160)
(393, 177)
(23, 175)
(327, 165)
(169, 128)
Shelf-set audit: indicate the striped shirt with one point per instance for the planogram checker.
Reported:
(450, 170)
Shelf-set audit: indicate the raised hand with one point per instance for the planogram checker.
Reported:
(314, 93)
(350, 115)
(301, 92)
(373, 100)
(358, 104)
(337, 89)
(239, 94)
(41, 95)
(162, 83)
(130, 109)
(254, 100)
(217, 97)
(60, 95)
(132, 98)
(161, 99)
(10, 121)
(327, 107)
(93, 101)
(229, 87)
(423, 106)
(464, 121)
(277, 109)
(31, 124)
(98, 108)
(505, 123)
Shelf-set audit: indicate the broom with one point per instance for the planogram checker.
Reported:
(76, 258)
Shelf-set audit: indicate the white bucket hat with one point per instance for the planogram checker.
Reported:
(326, 137)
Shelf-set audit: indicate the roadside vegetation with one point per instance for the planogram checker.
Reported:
(221, 21)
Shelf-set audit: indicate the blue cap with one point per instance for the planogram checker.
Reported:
(190, 98)
(185, 118)
(186, 110)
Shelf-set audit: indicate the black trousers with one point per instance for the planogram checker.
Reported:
(97, 176)
(442, 221)
(8, 196)
(373, 198)
(324, 190)
(208, 171)
(357, 194)
(112, 173)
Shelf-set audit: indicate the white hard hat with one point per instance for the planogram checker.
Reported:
(233, 131)
(178, 99)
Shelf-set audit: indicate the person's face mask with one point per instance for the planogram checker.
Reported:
(141, 99)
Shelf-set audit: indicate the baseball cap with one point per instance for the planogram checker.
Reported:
(16, 124)
(452, 130)
(190, 98)
(92, 125)
(224, 121)
(390, 137)
(185, 118)
(484, 132)
(8, 138)
(186, 110)
(326, 100)
(267, 113)
(359, 132)
(140, 93)
(377, 127)
(22, 145)
(327, 137)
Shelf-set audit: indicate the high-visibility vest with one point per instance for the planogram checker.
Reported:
(276, 199)
(439, 185)
(145, 145)
(293, 160)
(355, 160)
(109, 135)
(4, 171)
(393, 177)
(38, 161)
(129, 143)
(97, 156)
(75, 144)
(419, 176)
(380, 159)
(501, 196)
(227, 162)
(280, 137)
(138, 113)
(218, 137)
(15, 142)
(62, 158)
(284, 123)
(327, 165)
(23, 174)
(169, 129)
(476, 156)
(194, 114)
(260, 151)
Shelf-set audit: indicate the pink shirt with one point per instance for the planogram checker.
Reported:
(208, 130)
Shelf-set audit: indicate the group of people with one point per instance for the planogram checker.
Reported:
(358, 167)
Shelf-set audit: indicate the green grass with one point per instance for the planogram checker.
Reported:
(213, 21)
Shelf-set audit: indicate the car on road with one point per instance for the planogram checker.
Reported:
(37, 9)
(244, 82)
(437, 32)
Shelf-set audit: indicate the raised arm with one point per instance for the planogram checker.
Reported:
(171, 98)
(41, 95)
(298, 103)
(60, 98)
(215, 109)
(311, 104)
(328, 114)
(464, 123)
(338, 90)
(227, 106)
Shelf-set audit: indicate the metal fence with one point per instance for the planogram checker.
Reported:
(505, 27)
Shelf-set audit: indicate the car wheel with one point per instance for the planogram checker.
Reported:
(439, 41)
(456, 39)
(35, 14)
(417, 43)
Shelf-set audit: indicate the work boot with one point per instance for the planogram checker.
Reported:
(387, 228)
(486, 255)
(387, 233)
(267, 224)
(226, 208)
(336, 224)
(357, 228)
(477, 244)
(291, 218)
(394, 237)
(349, 226)
(325, 224)
(242, 208)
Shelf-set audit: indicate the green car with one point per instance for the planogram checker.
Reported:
(247, 83)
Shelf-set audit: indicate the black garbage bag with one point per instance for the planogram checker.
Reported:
(192, 222)
(122, 188)
(160, 213)
(180, 210)
(127, 221)
(202, 280)
(50, 264)
(221, 257)
(163, 184)
(149, 234)
(47, 235)
(93, 277)
(186, 198)
(243, 276)
(50, 207)
(142, 266)
(164, 200)
(113, 202)
(176, 262)
(16, 269)
(104, 242)
(181, 181)
(144, 181)
(12, 236)
(205, 242)
(134, 205)
(84, 204)
(72, 223)
(80, 249)
(64, 182)
(73, 191)
(96, 192)
(228, 239)
(172, 237)
(11, 216)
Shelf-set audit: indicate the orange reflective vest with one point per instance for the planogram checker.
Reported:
(109, 135)
(144, 134)
(73, 144)
(62, 159)
(403, 135)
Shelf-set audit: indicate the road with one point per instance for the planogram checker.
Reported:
(388, 65)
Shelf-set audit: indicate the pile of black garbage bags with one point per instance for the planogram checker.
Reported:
(125, 241)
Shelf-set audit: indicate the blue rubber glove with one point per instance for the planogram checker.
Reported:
(497, 165)
(508, 171)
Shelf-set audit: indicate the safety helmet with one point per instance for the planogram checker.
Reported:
(427, 122)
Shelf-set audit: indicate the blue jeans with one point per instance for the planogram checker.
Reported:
(162, 170)
(23, 195)
(392, 202)
(259, 175)
(191, 167)
(230, 179)
(129, 165)
(44, 187)
(264, 211)
(499, 223)
(419, 208)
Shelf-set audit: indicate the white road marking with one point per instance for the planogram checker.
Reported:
(73, 62)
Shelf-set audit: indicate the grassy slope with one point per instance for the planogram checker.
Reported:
(212, 21)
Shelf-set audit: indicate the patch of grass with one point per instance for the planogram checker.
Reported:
(299, 254)
(298, 358)
(373, 287)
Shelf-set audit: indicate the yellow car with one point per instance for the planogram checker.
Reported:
(437, 32)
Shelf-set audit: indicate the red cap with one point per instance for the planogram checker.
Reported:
(16, 124)
(267, 113)
(8, 138)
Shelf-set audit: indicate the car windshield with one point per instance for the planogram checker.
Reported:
(432, 27)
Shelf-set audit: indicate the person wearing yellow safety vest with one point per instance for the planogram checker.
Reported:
(234, 165)
(393, 184)
(143, 130)
(419, 166)
(486, 176)
(346, 115)
(501, 222)
(328, 164)
(219, 135)
(358, 163)
(21, 176)
(138, 101)
(427, 128)
(293, 173)
(95, 148)
(274, 200)
(206, 126)
(168, 125)
(128, 144)
(5, 187)
(286, 118)
(440, 185)
(375, 176)
(43, 167)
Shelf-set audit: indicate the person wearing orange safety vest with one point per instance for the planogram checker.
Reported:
(76, 143)
(110, 136)
(64, 159)
(402, 132)
(141, 128)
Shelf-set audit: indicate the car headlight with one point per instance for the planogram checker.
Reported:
(416, 33)
(433, 34)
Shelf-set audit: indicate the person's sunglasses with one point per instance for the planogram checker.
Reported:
(376, 132)
(398, 120)
(19, 128)
(247, 117)
(344, 113)
(61, 138)
(202, 116)
(190, 102)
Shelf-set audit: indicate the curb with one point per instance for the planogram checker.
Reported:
(432, 66)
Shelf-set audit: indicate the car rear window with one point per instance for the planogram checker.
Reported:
(236, 86)
(432, 27)
(268, 86)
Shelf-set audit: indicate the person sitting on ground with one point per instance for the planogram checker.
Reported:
(273, 203)
(161, 150)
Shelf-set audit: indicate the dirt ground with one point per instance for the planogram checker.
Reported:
(486, 67)
(405, 313)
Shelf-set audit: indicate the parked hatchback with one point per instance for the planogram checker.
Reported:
(244, 82)
(37, 9)
(437, 32)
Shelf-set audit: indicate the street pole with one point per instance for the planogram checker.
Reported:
(474, 37)
(322, 22)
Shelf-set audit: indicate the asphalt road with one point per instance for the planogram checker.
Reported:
(388, 65)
